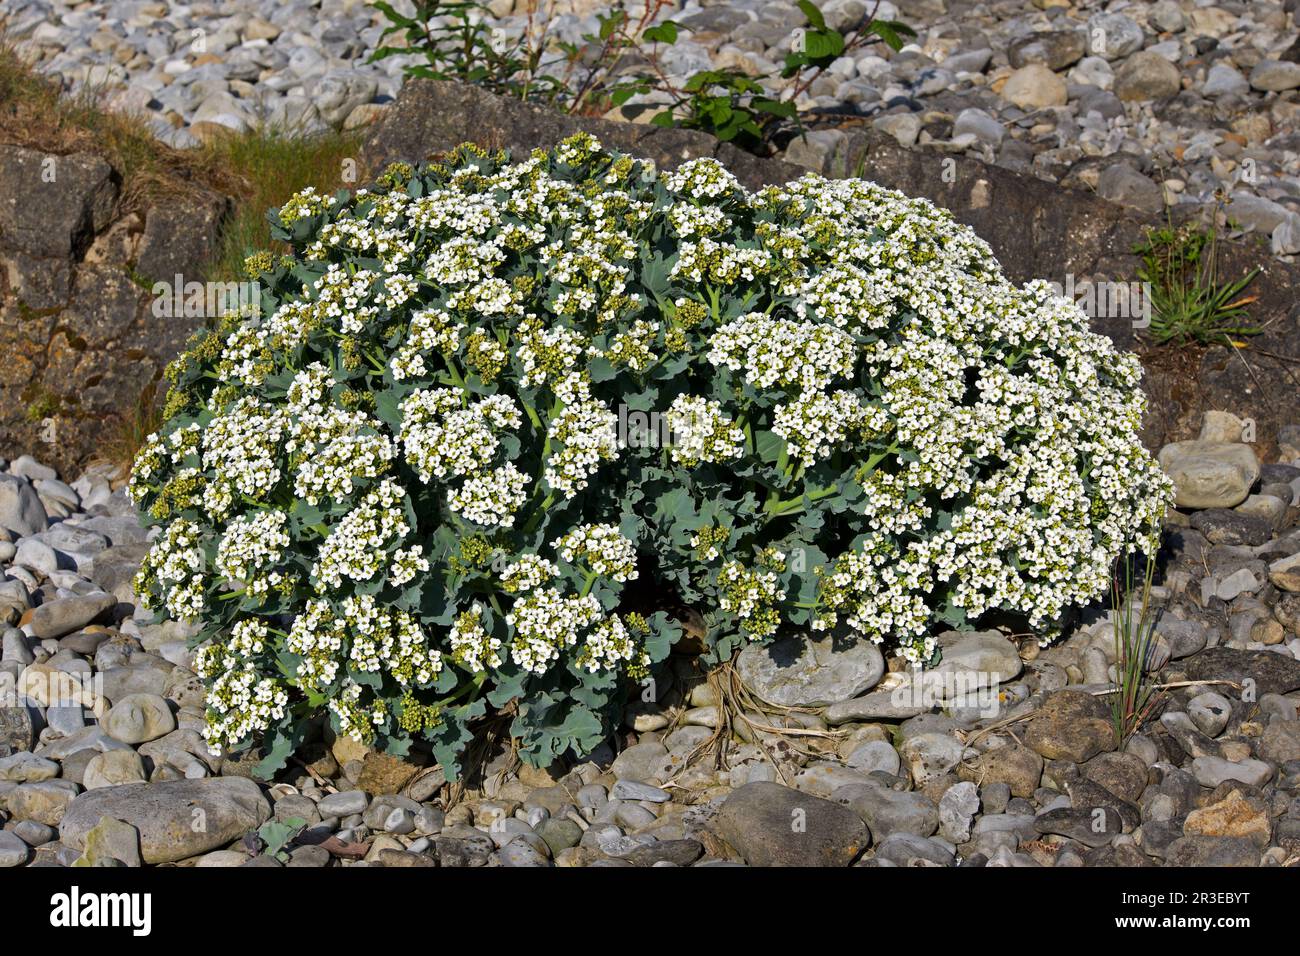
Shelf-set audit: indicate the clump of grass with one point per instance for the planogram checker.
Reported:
(36, 114)
(132, 430)
(1134, 695)
(42, 405)
(18, 83)
(258, 169)
(1189, 301)
(265, 167)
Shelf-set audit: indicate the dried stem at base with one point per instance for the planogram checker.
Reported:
(735, 702)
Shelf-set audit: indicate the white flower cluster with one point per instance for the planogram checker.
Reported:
(387, 640)
(708, 260)
(431, 329)
(603, 548)
(241, 699)
(407, 565)
(355, 547)
(701, 432)
(334, 449)
(634, 348)
(547, 354)
(444, 440)
(319, 638)
(783, 351)
(704, 180)
(880, 592)
(343, 298)
(472, 647)
(689, 220)
(816, 423)
(545, 622)
(355, 720)
(174, 569)
(528, 572)
(610, 646)
(333, 470)
(749, 593)
(253, 543)
(492, 498)
(306, 202)
(241, 452)
(586, 432)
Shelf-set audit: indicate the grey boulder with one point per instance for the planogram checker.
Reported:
(177, 819)
(800, 671)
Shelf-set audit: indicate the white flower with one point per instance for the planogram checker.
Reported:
(528, 572)
(586, 431)
(252, 543)
(783, 352)
(471, 646)
(546, 622)
(442, 439)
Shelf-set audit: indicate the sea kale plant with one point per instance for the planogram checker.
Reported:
(494, 420)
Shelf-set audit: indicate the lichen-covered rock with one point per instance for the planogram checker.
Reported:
(52, 206)
(1268, 672)
(1018, 767)
(1233, 816)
